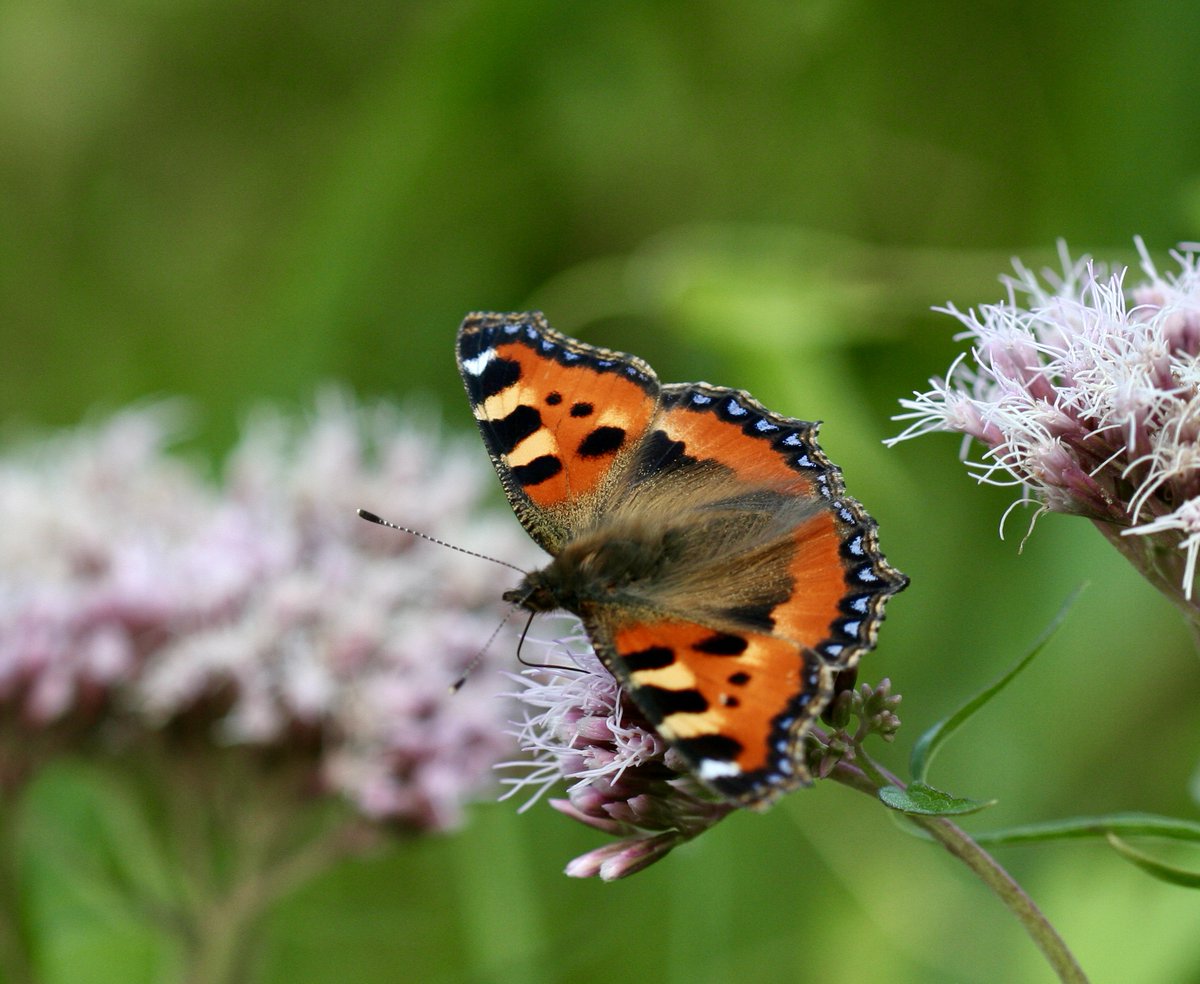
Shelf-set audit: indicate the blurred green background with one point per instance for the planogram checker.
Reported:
(238, 200)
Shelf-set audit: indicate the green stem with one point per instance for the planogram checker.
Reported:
(16, 960)
(221, 938)
(870, 778)
(225, 926)
(1162, 564)
(246, 834)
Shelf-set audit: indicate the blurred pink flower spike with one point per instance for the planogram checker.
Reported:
(135, 595)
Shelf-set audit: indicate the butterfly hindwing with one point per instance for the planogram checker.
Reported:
(735, 704)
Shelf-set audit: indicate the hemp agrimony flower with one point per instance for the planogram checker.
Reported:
(133, 592)
(1087, 394)
(264, 676)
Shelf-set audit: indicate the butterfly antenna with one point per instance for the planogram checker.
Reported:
(457, 685)
(370, 517)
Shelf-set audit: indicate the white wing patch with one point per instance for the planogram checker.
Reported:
(718, 769)
(476, 365)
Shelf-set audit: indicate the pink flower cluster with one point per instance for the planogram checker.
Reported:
(133, 590)
(1087, 395)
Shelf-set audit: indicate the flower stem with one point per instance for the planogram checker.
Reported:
(222, 939)
(1164, 567)
(242, 832)
(959, 843)
(16, 958)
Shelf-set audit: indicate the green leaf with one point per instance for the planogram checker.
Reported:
(89, 823)
(929, 743)
(1153, 867)
(1079, 828)
(924, 800)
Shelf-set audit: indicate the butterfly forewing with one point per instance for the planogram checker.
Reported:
(559, 418)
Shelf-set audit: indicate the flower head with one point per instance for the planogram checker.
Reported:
(136, 595)
(1087, 395)
(626, 781)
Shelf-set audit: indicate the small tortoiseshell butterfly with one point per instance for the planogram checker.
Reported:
(707, 544)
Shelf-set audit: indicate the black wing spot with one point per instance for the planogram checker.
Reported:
(754, 616)
(602, 441)
(659, 453)
(537, 471)
(660, 703)
(739, 679)
(497, 376)
(710, 747)
(508, 432)
(722, 644)
(582, 409)
(651, 658)
(553, 399)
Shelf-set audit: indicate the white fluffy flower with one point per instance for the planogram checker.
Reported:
(1088, 395)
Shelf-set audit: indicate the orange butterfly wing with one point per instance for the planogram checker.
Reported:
(734, 704)
(757, 628)
(559, 418)
(837, 580)
(753, 579)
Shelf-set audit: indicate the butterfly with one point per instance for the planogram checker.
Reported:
(707, 544)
